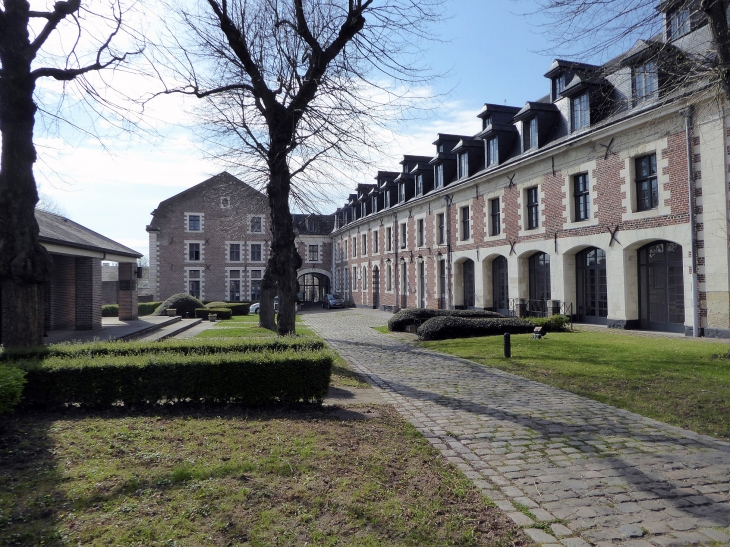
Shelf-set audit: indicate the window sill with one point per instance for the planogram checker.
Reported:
(535, 231)
(465, 242)
(495, 237)
(582, 223)
(639, 215)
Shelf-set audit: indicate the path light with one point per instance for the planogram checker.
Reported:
(507, 345)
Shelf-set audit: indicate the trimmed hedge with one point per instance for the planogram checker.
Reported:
(253, 378)
(182, 302)
(11, 387)
(237, 308)
(110, 310)
(223, 313)
(147, 308)
(439, 328)
(409, 316)
(554, 323)
(184, 347)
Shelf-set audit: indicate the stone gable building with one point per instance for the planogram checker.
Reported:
(212, 241)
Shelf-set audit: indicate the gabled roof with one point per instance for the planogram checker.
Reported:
(225, 176)
(58, 230)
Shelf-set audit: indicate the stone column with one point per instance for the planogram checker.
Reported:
(127, 291)
(88, 293)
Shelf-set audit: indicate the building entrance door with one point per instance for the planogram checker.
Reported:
(592, 289)
(661, 287)
(539, 266)
(500, 286)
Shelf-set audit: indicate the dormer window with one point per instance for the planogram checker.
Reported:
(463, 165)
(419, 185)
(529, 133)
(580, 112)
(558, 86)
(492, 152)
(375, 203)
(645, 82)
(678, 23)
(387, 199)
(401, 192)
(439, 175)
(364, 209)
(486, 122)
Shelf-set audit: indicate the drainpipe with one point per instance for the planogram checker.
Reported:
(687, 113)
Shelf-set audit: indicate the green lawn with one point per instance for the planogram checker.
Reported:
(246, 325)
(679, 381)
(224, 476)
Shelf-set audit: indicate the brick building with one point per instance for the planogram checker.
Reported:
(578, 202)
(73, 297)
(212, 241)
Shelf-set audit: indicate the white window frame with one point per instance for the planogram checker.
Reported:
(187, 223)
(187, 244)
(250, 253)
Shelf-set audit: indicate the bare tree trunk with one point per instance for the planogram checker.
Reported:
(285, 260)
(24, 264)
(268, 292)
(716, 11)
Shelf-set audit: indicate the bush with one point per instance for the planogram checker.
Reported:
(185, 347)
(409, 316)
(11, 387)
(252, 378)
(183, 303)
(237, 308)
(554, 323)
(439, 328)
(147, 308)
(223, 313)
(110, 310)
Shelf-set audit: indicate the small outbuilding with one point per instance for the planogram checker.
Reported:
(73, 297)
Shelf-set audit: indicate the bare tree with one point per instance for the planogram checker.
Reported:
(595, 28)
(29, 38)
(294, 91)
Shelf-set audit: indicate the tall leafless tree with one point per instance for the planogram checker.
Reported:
(294, 90)
(596, 28)
(30, 38)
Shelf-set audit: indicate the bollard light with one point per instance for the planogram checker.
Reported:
(507, 345)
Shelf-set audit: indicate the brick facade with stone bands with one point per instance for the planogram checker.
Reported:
(613, 209)
(226, 208)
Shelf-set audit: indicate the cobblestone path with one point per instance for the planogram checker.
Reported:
(568, 469)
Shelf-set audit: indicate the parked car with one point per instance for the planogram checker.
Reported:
(255, 307)
(333, 301)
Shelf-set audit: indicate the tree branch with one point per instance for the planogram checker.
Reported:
(60, 11)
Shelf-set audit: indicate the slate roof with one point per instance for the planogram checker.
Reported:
(313, 225)
(62, 231)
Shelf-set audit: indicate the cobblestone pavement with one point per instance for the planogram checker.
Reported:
(555, 462)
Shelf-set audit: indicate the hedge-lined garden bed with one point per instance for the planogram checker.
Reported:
(186, 347)
(252, 378)
(440, 328)
(222, 313)
(411, 316)
(143, 308)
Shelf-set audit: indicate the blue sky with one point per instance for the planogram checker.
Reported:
(490, 53)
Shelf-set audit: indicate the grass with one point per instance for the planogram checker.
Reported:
(383, 329)
(246, 325)
(682, 382)
(228, 476)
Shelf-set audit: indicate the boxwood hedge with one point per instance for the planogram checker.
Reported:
(222, 313)
(147, 308)
(11, 386)
(410, 316)
(185, 347)
(110, 310)
(182, 302)
(439, 328)
(252, 378)
(554, 323)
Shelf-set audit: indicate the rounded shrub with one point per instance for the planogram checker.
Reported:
(439, 328)
(182, 302)
(410, 316)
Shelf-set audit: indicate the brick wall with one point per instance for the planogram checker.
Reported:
(88, 293)
(61, 294)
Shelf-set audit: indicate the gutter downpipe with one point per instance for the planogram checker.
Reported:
(687, 113)
(449, 284)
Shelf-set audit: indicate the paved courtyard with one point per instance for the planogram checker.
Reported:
(594, 473)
